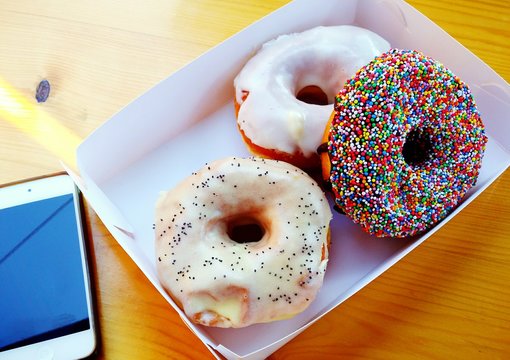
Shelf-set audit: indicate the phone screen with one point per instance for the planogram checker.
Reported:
(42, 288)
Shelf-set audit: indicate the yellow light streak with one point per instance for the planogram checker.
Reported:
(27, 116)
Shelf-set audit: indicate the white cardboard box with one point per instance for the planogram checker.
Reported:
(188, 119)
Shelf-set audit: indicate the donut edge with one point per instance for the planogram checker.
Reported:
(297, 159)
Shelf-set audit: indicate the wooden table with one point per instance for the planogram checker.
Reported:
(450, 298)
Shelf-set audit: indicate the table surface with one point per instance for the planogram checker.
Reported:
(449, 298)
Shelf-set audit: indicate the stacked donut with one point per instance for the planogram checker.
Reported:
(396, 134)
(285, 93)
(404, 144)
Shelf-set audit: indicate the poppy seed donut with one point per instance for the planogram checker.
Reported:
(243, 241)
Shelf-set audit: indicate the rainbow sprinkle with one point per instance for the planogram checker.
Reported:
(406, 143)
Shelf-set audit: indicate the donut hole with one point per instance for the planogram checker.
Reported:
(417, 148)
(312, 94)
(245, 229)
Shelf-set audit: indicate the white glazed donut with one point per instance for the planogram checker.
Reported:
(243, 241)
(273, 120)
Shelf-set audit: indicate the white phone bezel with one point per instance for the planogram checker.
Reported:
(73, 346)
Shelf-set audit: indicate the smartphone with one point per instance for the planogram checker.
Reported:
(46, 304)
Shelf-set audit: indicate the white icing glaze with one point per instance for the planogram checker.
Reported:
(220, 282)
(271, 116)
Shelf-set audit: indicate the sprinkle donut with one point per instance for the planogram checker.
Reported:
(285, 92)
(243, 241)
(404, 144)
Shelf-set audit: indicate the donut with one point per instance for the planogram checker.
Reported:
(284, 93)
(242, 241)
(403, 145)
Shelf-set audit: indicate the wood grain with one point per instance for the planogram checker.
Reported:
(447, 299)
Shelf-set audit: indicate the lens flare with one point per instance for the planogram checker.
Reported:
(26, 115)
